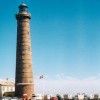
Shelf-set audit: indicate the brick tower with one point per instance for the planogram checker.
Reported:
(24, 75)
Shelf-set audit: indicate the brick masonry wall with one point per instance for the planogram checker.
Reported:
(24, 74)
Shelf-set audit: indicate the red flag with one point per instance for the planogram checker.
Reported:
(41, 77)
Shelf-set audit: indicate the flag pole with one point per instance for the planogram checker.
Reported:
(43, 85)
(42, 78)
(43, 89)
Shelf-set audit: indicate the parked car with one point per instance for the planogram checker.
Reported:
(15, 98)
(6, 98)
(53, 98)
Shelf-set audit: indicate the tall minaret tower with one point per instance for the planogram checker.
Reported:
(24, 75)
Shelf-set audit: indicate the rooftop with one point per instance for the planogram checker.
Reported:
(6, 82)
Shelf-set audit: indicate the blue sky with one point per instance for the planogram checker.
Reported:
(65, 37)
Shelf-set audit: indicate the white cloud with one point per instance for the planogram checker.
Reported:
(68, 84)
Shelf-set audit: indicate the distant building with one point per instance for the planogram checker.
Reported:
(65, 96)
(39, 96)
(81, 96)
(70, 97)
(47, 97)
(98, 96)
(94, 97)
(7, 88)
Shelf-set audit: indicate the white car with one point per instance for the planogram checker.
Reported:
(6, 98)
(9, 98)
(15, 98)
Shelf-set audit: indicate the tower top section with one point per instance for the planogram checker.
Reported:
(23, 7)
(23, 12)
